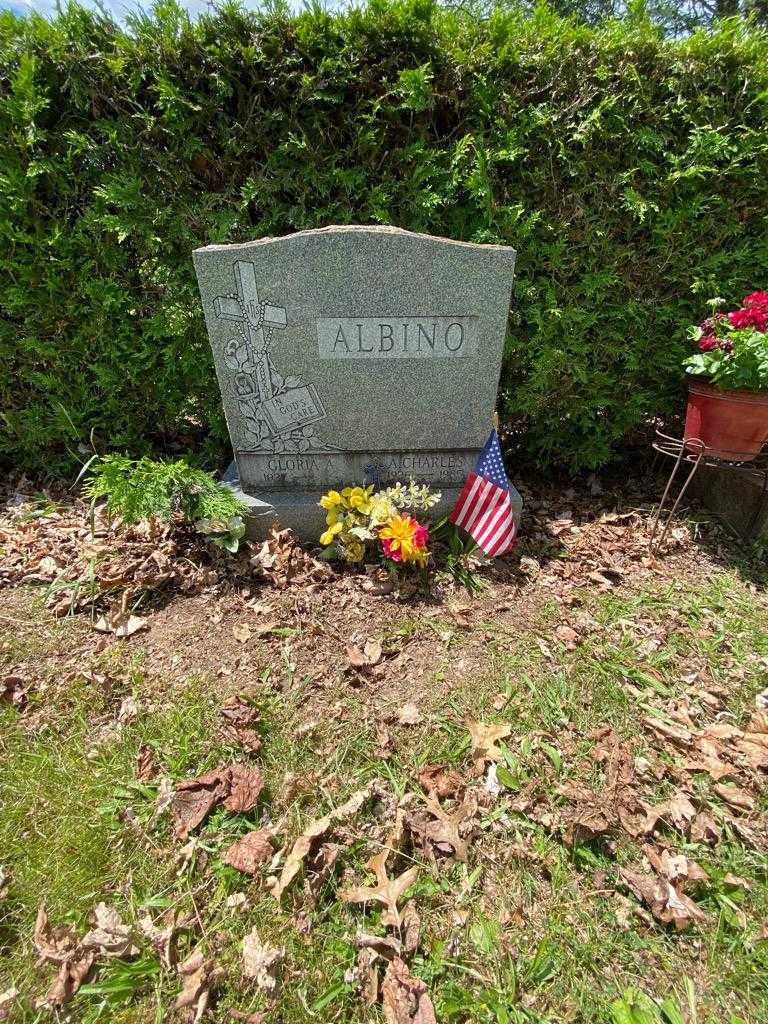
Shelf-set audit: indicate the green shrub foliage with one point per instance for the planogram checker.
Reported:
(629, 171)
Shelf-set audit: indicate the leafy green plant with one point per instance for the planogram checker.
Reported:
(733, 347)
(629, 171)
(146, 489)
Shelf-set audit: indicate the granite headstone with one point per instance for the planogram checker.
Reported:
(353, 354)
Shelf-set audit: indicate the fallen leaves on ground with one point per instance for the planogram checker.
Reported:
(448, 830)
(251, 852)
(163, 938)
(666, 902)
(236, 786)
(404, 997)
(409, 714)
(295, 859)
(146, 766)
(121, 624)
(484, 740)
(366, 658)
(240, 719)
(261, 961)
(7, 1000)
(285, 562)
(74, 957)
(198, 975)
(386, 892)
(110, 936)
(440, 781)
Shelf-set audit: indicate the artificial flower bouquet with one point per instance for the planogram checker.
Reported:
(391, 525)
(733, 346)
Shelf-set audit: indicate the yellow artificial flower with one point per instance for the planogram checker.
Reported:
(331, 500)
(382, 509)
(405, 540)
(332, 516)
(360, 498)
(330, 534)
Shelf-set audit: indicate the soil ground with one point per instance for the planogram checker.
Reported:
(614, 833)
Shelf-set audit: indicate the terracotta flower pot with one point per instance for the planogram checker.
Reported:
(732, 424)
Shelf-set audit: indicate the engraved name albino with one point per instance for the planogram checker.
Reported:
(409, 337)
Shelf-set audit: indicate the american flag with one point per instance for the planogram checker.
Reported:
(485, 508)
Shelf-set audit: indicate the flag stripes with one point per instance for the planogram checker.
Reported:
(485, 508)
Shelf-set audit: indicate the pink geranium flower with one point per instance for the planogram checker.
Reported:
(749, 317)
(758, 300)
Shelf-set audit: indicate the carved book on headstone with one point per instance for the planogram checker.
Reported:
(353, 354)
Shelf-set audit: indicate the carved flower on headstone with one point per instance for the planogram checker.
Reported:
(236, 354)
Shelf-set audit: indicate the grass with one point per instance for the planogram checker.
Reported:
(530, 931)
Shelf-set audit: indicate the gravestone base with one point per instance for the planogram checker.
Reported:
(737, 498)
(299, 510)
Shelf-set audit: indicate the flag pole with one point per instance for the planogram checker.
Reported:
(495, 421)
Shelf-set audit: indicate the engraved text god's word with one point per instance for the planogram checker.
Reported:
(416, 337)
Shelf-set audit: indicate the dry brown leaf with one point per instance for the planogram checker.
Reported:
(736, 797)
(386, 891)
(666, 903)
(404, 997)
(196, 975)
(110, 937)
(678, 811)
(673, 867)
(440, 781)
(240, 721)
(121, 624)
(237, 786)
(146, 766)
(386, 946)
(716, 768)
(7, 1001)
(704, 829)
(246, 785)
(410, 927)
(754, 748)
(311, 834)
(249, 853)
(568, 636)
(370, 655)
(484, 739)
(55, 944)
(447, 830)
(241, 631)
(194, 799)
(409, 714)
(72, 973)
(162, 939)
(260, 961)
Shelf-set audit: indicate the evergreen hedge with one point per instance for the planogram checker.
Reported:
(630, 172)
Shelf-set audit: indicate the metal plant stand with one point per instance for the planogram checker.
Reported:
(694, 454)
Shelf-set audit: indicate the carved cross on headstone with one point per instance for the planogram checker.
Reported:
(247, 309)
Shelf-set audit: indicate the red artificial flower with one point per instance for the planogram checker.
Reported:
(749, 317)
(758, 300)
(707, 343)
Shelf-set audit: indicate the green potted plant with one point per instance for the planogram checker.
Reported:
(728, 391)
